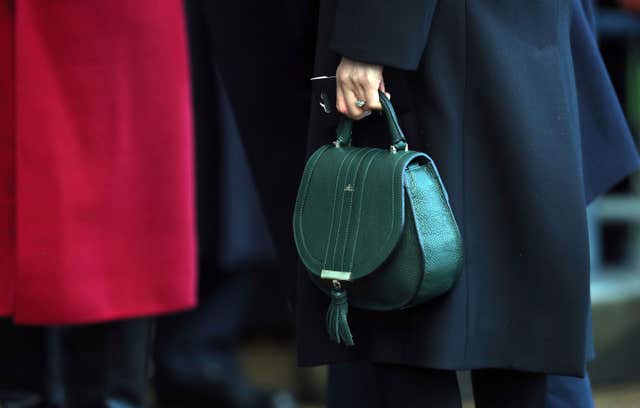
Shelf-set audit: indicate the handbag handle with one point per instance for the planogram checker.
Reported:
(398, 141)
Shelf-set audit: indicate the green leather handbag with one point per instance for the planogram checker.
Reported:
(377, 224)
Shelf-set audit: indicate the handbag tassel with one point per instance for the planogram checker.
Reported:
(337, 324)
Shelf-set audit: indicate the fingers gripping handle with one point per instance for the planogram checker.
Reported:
(398, 141)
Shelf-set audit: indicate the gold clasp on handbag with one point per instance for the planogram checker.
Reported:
(393, 149)
(335, 275)
(336, 143)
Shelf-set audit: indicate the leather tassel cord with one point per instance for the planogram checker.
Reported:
(337, 324)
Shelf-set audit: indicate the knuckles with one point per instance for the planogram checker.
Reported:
(343, 76)
(363, 78)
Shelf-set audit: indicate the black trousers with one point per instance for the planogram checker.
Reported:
(408, 387)
(85, 366)
(23, 361)
(103, 365)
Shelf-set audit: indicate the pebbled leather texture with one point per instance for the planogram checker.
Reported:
(379, 218)
(437, 231)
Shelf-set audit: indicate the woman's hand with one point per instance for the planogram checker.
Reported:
(357, 88)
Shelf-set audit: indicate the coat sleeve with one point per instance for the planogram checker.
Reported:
(386, 32)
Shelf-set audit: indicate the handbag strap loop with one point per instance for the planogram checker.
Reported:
(398, 141)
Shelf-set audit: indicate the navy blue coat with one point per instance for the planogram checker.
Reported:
(512, 101)
(353, 385)
(599, 123)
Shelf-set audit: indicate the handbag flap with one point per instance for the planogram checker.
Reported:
(350, 210)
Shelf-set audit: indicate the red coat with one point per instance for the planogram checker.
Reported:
(631, 4)
(96, 167)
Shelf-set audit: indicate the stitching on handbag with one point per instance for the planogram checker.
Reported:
(335, 243)
(348, 198)
(401, 160)
(359, 219)
(306, 176)
(349, 207)
(346, 163)
(333, 210)
(357, 187)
